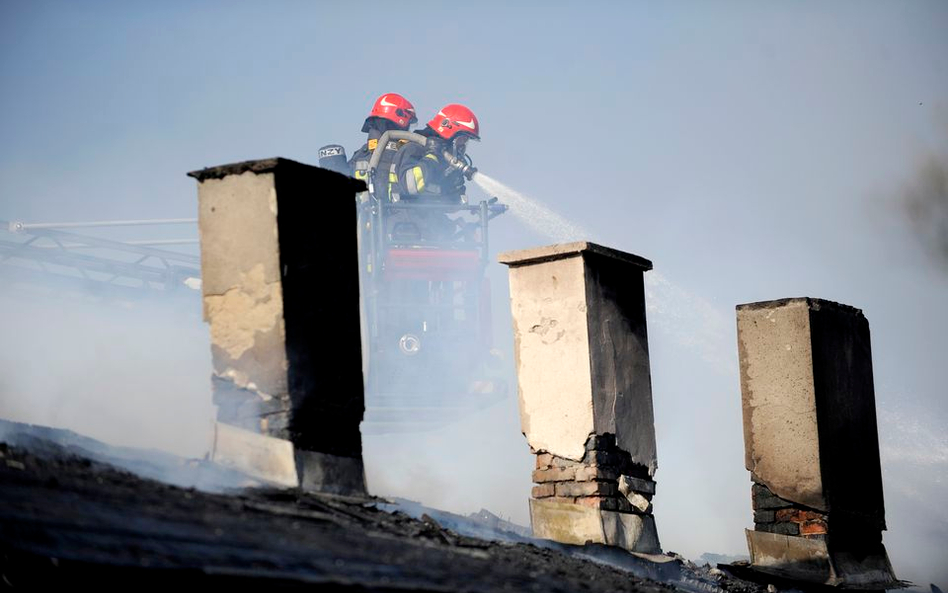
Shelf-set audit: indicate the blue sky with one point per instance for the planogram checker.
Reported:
(751, 150)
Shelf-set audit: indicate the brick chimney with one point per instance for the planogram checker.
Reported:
(811, 442)
(585, 392)
(279, 270)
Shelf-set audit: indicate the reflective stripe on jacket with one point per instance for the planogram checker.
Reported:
(422, 173)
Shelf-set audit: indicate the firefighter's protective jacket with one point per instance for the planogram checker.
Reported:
(423, 173)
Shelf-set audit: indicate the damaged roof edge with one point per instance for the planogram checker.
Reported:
(566, 250)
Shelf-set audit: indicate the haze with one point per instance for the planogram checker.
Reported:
(752, 151)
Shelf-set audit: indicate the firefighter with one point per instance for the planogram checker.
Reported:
(390, 112)
(424, 172)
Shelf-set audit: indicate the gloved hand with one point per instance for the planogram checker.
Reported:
(453, 183)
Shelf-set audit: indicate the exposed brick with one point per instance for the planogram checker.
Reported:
(554, 474)
(764, 516)
(781, 528)
(586, 489)
(635, 470)
(595, 472)
(608, 458)
(606, 503)
(543, 490)
(798, 515)
(563, 462)
(544, 460)
(785, 528)
(639, 485)
(785, 514)
(763, 498)
(813, 528)
(639, 503)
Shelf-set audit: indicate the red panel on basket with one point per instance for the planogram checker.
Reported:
(431, 264)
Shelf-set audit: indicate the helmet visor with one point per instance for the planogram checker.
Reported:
(408, 113)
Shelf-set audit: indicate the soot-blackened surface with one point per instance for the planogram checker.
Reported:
(68, 520)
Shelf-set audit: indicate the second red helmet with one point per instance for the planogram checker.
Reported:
(455, 119)
(395, 108)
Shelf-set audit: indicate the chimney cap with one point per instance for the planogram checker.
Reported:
(269, 166)
(566, 250)
(814, 304)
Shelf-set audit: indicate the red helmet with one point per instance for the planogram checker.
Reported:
(395, 108)
(455, 119)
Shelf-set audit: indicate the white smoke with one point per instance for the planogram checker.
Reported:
(914, 451)
(910, 439)
(690, 320)
(132, 373)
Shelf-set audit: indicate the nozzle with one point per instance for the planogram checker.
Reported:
(465, 169)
